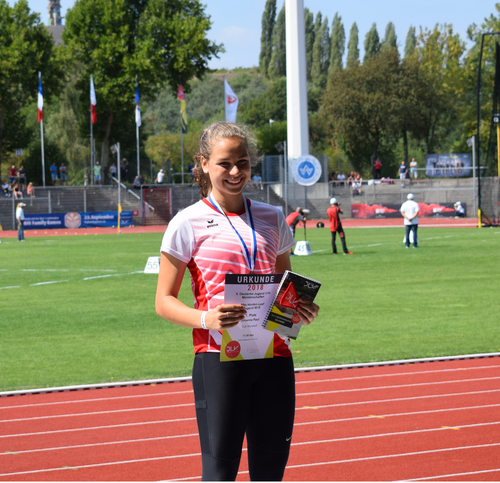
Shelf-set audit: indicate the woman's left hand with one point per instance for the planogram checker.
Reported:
(308, 311)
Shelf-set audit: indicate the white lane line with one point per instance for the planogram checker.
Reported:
(413, 413)
(48, 283)
(479, 472)
(115, 411)
(94, 428)
(92, 445)
(12, 286)
(112, 275)
(100, 399)
(378, 401)
(396, 374)
(44, 270)
(398, 386)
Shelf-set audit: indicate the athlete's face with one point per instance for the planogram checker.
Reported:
(228, 168)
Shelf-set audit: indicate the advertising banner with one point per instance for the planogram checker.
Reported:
(77, 220)
(448, 165)
(391, 210)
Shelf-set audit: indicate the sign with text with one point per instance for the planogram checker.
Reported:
(76, 220)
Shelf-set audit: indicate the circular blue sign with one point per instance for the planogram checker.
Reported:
(306, 170)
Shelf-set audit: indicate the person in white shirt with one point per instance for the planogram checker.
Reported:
(160, 176)
(20, 221)
(409, 210)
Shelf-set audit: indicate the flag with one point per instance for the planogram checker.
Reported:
(230, 102)
(40, 98)
(93, 101)
(180, 96)
(137, 110)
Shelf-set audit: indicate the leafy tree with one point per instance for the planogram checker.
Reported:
(26, 48)
(372, 43)
(337, 45)
(353, 47)
(310, 36)
(157, 41)
(321, 52)
(390, 39)
(277, 67)
(411, 42)
(266, 38)
(270, 135)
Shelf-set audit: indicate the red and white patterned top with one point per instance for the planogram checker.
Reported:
(204, 239)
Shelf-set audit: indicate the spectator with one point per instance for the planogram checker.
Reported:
(62, 174)
(18, 194)
(160, 176)
(190, 168)
(257, 180)
(350, 179)
(20, 221)
(378, 169)
(30, 190)
(97, 173)
(414, 170)
(459, 210)
(409, 210)
(12, 174)
(53, 173)
(356, 187)
(138, 182)
(22, 177)
(341, 178)
(6, 188)
(402, 173)
(112, 172)
(123, 169)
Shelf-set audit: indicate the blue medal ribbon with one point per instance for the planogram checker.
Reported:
(251, 261)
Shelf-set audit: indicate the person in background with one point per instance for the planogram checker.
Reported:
(21, 173)
(334, 213)
(378, 169)
(6, 188)
(124, 169)
(30, 190)
(112, 171)
(20, 221)
(293, 218)
(97, 173)
(53, 173)
(409, 210)
(233, 399)
(459, 210)
(414, 170)
(402, 173)
(18, 194)
(341, 178)
(160, 176)
(62, 174)
(257, 180)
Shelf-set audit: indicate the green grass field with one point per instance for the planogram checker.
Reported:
(382, 303)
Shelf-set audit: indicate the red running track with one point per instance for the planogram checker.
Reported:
(436, 420)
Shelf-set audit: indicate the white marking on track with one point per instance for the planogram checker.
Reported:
(12, 286)
(112, 275)
(48, 283)
(479, 472)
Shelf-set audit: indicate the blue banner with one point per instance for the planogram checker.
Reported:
(77, 220)
(448, 165)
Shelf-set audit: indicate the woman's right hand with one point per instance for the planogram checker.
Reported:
(225, 316)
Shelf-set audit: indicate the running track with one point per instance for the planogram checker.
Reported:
(434, 420)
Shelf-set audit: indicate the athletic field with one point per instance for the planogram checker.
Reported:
(79, 310)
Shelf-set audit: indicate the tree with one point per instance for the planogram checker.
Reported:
(411, 42)
(372, 43)
(390, 39)
(266, 37)
(337, 45)
(158, 42)
(309, 31)
(353, 47)
(277, 67)
(26, 48)
(321, 51)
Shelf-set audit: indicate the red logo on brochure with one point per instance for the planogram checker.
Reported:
(290, 298)
(233, 349)
(296, 318)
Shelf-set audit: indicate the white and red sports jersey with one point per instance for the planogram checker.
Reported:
(203, 238)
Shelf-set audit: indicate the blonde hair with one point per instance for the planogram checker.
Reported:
(214, 132)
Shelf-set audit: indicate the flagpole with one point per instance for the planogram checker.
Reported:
(91, 140)
(137, 138)
(41, 133)
(182, 154)
(137, 122)
(225, 97)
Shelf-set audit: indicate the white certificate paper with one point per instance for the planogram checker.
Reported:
(249, 340)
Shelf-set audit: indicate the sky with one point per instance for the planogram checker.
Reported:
(237, 24)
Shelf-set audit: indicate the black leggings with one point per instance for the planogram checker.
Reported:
(340, 231)
(256, 398)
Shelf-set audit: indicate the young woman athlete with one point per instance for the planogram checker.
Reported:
(227, 233)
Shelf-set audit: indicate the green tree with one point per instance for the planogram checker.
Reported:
(321, 51)
(26, 48)
(353, 47)
(157, 41)
(390, 39)
(309, 31)
(372, 43)
(266, 37)
(411, 42)
(337, 45)
(277, 67)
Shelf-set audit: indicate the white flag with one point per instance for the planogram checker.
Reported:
(230, 102)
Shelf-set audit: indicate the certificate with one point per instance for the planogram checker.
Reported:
(249, 339)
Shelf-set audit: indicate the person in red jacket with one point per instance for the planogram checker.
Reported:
(334, 213)
(293, 218)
